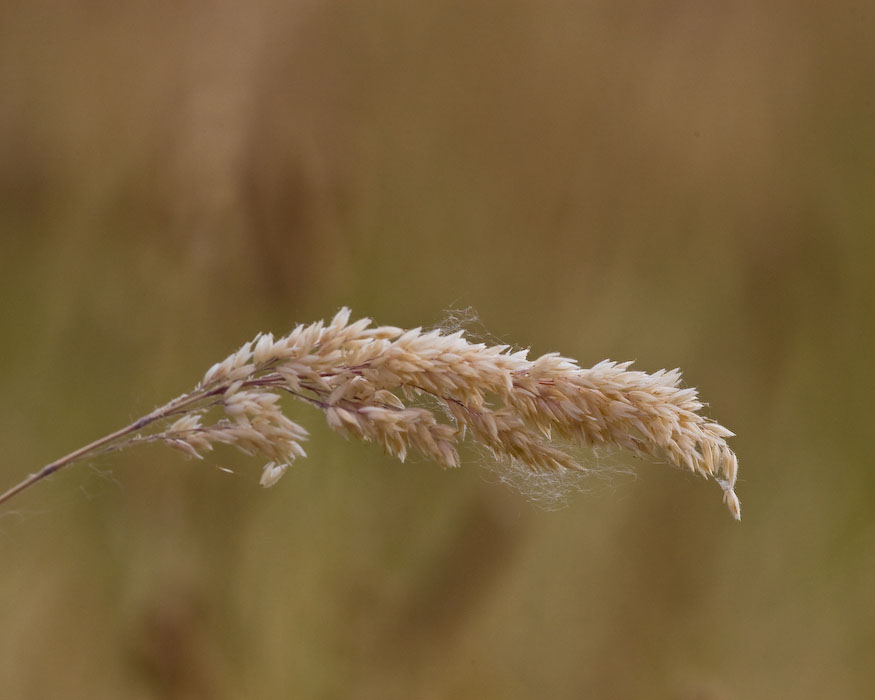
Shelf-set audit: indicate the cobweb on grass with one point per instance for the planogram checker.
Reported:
(468, 320)
(602, 470)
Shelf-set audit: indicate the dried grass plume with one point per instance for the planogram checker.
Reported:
(381, 384)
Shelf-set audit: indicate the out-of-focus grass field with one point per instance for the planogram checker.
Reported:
(684, 184)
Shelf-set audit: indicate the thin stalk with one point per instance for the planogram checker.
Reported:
(92, 447)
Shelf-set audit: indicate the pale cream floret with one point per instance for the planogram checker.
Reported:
(512, 405)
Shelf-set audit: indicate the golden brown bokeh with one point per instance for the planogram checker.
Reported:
(683, 184)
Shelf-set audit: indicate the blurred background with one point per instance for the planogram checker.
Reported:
(680, 184)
